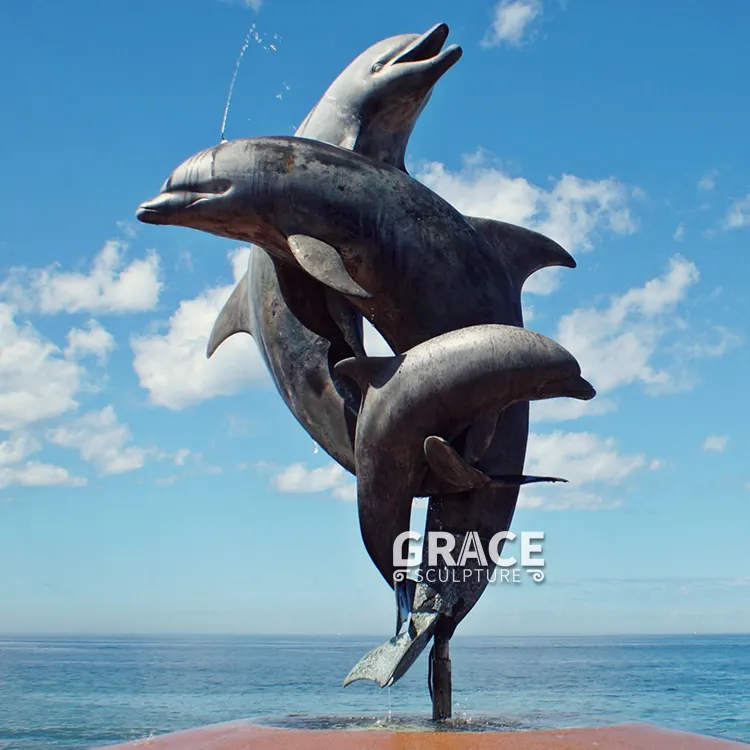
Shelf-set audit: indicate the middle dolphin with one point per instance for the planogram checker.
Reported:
(371, 108)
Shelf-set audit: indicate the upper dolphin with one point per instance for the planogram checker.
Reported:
(371, 108)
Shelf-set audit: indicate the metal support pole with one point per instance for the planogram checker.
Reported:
(441, 679)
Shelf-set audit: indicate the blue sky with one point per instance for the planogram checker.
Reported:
(144, 489)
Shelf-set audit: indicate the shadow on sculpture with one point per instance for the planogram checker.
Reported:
(345, 233)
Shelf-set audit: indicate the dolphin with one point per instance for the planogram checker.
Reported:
(414, 406)
(404, 257)
(413, 403)
(371, 108)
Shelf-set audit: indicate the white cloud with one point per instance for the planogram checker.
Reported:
(254, 4)
(17, 448)
(162, 361)
(571, 212)
(616, 345)
(565, 409)
(94, 341)
(738, 215)
(107, 288)
(101, 441)
(656, 464)
(708, 181)
(716, 443)
(581, 458)
(679, 233)
(297, 478)
(512, 21)
(36, 474)
(182, 455)
(36, 382)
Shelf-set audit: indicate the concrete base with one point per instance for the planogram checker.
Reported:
(246, 736)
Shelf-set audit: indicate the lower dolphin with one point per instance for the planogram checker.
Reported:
(414, 406)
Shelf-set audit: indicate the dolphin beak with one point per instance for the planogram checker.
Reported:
(154, 211)
(578, 388)
(427, 49)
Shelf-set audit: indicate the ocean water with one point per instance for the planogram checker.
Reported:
(66, 693)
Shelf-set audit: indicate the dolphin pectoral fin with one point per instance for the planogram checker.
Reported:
(324, 263)
(523, 250)
(452, 472)
(388, 662)
(348, 320)
(516, 480)
(233, 318)
(367, 370)
(479, 436)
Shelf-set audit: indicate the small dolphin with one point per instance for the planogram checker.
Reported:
(414, 406)
(371, 108)
(436, 391)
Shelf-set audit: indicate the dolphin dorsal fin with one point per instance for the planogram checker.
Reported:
(366, 370)
(233, 318)
(323, 263)
(524, 251)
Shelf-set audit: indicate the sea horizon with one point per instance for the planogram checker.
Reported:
(72, 692)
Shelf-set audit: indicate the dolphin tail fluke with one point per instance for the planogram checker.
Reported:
(387, 663)
(453, 474)
(523, 251)
(404, 591)
(233, 318)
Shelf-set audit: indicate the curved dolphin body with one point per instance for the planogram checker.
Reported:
(371, 108)
(414, 406)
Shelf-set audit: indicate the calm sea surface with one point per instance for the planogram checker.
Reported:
(63, 693)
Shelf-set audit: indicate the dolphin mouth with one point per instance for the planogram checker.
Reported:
(428, 49)
(578, 388)
(169, 202)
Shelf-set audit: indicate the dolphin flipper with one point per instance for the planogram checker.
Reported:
(449, 468)
(388, 662)
(324, 263)
(233, 318)
(454, 475)
(523, 250)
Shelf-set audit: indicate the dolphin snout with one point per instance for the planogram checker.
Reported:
(156, 210)
(579, 388)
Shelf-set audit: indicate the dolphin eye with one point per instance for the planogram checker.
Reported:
(215, 186)
(377, 67)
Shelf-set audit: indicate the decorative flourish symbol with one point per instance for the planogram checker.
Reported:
(537, 575)
(399, 576)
